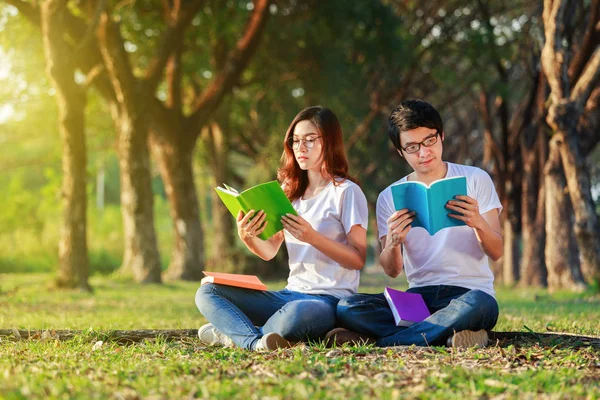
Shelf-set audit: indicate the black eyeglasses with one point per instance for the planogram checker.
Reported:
(413, 148)
(295, 143)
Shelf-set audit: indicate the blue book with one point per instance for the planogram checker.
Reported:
(429, 202)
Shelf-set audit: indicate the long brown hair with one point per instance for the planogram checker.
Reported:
(335, 163)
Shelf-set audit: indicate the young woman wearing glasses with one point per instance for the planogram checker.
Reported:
(326, 244)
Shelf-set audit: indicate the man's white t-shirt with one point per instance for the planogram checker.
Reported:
(453, 256)
(332, 212)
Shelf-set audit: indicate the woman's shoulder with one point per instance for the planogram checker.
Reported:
(345, 184)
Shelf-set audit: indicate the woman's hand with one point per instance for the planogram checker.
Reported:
(250, 226)
(298, 227)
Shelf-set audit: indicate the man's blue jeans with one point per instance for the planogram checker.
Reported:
(237, 312)
(452, 308)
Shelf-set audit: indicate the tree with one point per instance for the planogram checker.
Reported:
(73, 270)
(571, 85)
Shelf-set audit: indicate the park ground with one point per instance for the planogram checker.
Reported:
(91, 365)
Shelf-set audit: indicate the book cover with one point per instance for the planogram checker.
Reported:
(429, 202)
(239, 280)
(268, 197)
(407, 308)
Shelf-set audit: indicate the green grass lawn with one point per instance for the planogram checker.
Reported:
(83, 368)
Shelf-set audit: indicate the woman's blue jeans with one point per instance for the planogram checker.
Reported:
(452, 308)
(246, 315)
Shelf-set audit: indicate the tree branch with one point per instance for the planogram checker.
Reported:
(117, 62)
(591, 39)
(554, 57)
(237, 61)
(587, 82)
(171, 40)
(31, 12)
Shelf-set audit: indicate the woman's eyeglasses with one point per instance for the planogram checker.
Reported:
(309, 142)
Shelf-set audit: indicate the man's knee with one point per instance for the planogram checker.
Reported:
(348, 307)
(484, 308)
(482, 300)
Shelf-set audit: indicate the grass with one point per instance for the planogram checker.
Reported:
(85, 368)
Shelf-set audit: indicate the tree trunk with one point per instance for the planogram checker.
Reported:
(558, 226)
(511, 255)
(73, 271)
(587, 229)
(174, 156)
(533, 267)
(130, 114)
(222, 221)
(141, 258)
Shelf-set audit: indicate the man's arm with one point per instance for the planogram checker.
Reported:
(486, 226)
(398, 227)
(490, 235)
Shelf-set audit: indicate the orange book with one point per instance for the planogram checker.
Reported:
(244, 281)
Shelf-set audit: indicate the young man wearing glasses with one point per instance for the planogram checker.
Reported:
(449, 269)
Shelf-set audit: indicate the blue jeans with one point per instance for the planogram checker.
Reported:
(237, 312)
(452, 309)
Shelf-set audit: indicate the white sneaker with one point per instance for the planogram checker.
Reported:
(272, 341)
(467, 339)
(210, 335)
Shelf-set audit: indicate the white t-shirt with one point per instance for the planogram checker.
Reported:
(332, 212)
(453, 256)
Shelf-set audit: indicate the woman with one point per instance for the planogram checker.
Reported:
(326, 244)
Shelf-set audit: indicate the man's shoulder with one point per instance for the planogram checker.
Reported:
(387, 192)
(469, 171)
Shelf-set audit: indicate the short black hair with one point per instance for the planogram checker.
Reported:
(412, 114)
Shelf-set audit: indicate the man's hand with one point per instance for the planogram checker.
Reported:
(398, 225)
(469, 208)
(298, 227)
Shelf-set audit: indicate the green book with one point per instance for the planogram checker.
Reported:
(268, 197)
(430, 201)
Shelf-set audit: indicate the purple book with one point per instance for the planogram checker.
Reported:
(407, 308)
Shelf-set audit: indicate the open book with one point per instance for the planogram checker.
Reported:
(268, 197)
(429, 202)
(243, 281)
(407, 308)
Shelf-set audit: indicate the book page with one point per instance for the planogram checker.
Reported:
(270, 198)
(413, 196)
(440, 194)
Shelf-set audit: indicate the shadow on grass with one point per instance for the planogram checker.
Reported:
(497, 339)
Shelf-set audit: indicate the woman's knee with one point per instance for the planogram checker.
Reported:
(203, 295)
(307, 318)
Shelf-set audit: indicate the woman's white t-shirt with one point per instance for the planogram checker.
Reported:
(453, 256)
(332, 212)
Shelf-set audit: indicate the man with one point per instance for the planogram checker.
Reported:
(449, 269)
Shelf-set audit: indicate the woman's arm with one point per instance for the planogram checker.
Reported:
(351, 255)
(248, 230)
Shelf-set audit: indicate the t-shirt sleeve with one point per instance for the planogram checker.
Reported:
(355, 210)
(385, 209)
(485, 193)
